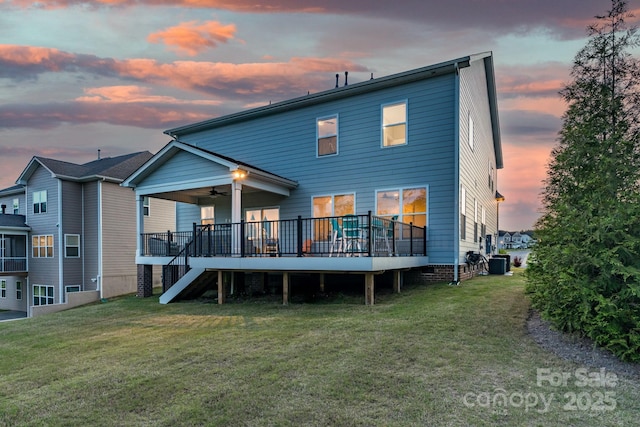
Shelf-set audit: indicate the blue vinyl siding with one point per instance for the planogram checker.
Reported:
(185, 167)
(72, 224)
(285, 144)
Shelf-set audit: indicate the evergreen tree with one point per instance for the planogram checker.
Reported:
(584, 273)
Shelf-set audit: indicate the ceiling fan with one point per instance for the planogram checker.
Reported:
(213, 193)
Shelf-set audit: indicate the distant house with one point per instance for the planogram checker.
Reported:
(515, 240)
(395, 175)
(68, 231)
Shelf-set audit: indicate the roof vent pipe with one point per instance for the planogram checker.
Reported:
(4, 209)
(98, 154)
(337, 77)
(346, 74)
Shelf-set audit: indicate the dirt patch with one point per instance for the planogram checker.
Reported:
(577, 349)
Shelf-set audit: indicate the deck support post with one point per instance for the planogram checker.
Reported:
(220, 288)
(397, 281)
(369, 288)
(145, 280)
(322, 283)
(286, 288)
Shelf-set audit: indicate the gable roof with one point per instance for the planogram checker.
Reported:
(12, 191)
(114, 169)
(452, 66)
(174, 147)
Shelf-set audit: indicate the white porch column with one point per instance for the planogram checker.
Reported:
(236, 215)
(139, 223)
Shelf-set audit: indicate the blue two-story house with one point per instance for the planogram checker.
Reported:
(386, 176)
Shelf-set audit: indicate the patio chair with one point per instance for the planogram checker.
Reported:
(352, 234)
(389, 233)
(336, 237)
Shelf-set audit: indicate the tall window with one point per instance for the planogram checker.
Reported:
(40, 201)
(16, 206)
(329, 206)
(207, 215)
(72, 246)
(394, 124)
(475, 220)
(18, 290)
(463, 213)
(145, 205)
(408, 204)
(3, 289)
(327, 131)
(42, 295)
(42, 246)
(471, 135)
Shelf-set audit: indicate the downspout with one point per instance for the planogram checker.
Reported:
(456, 177)
(82, 236)
(60, 245)
(100, 242)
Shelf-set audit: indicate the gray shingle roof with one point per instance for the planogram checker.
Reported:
(111, 167)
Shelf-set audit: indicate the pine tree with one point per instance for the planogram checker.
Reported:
(584, 273)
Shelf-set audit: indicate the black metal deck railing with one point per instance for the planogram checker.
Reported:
(13, 264)
(364, 235)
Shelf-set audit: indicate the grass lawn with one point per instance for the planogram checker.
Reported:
(431, 356)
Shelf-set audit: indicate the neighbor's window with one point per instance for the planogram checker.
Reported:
(16, 206)
(42, 246)
(207, 215)
(18, 290)
(145, 205)
(3, 289)
(483, 222)
(40, 201)
(327, 129)
(475, 220)
(42, 295)
(394, 124)
(463, 213)
(408, 205)
(72, 246)
(471, 133)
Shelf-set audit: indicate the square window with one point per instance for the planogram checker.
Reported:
(72, 246)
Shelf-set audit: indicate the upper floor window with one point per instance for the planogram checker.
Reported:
(145, 205)
(42, 246)
(16, 206)
(394, 124)
(327, 131)
(72, 246)
(40, 201)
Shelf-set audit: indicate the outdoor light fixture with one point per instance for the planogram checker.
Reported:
(239, 174)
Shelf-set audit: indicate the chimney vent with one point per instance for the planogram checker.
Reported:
(346, 75)
(4, 209)
(337, 77)
(98, 154)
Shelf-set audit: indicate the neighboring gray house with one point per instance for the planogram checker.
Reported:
(414, 156)
(70, 229)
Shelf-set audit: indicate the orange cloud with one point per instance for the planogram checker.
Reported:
(134, 94)
(192, 38)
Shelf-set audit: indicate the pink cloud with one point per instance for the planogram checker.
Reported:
(192, 38)
(135, 94)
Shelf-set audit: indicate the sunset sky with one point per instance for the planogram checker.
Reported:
(77, 76)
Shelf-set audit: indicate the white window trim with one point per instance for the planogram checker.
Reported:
(66, 245)
(400, 200)
(146, 206)
(406, 123)
(333, 204)
(19, 290)
(337, 135)
(53, 298)
(45, 201)
(16, 206)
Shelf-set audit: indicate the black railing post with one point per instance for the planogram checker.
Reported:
(242, 235)
(411, 239)
(194, 239)
(299, 236)
(424, 241)
(369, 233)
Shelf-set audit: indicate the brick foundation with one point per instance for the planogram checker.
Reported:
(438, 273)
(145, 280)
